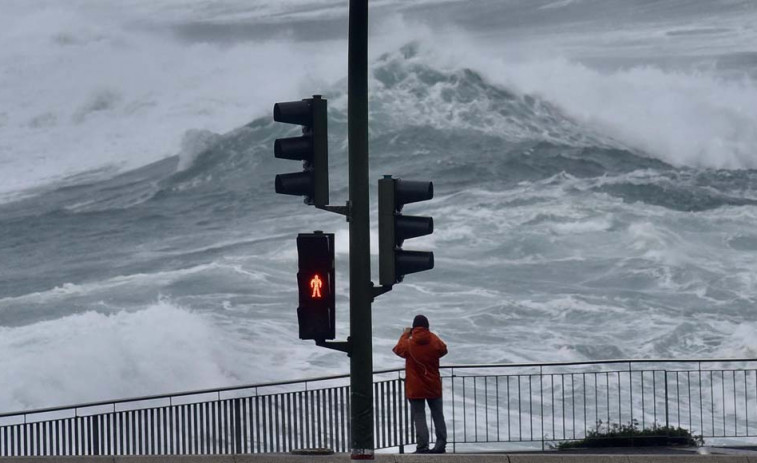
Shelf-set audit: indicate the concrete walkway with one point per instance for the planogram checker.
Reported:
(729, 456)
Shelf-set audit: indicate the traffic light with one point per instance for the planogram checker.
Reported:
(395, 228)
(317, 310)
(311, 148)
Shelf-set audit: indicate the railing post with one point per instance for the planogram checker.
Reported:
(667, 420)
(238, 426)
(454, 439)
(630, 395)
(400, 418)
(541, 400)
(95, 436)
(401, 402)
(701, 406)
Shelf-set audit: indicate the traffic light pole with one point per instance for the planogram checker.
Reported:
(361, 288)
(394, 228)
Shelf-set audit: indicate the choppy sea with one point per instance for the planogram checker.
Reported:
(593, 163)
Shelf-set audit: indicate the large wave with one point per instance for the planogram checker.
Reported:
(139, 209)
(85, 88)
(452, 125)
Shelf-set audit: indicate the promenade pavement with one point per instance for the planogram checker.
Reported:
(618, 455)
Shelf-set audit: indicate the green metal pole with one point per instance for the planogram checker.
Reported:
(361, 328)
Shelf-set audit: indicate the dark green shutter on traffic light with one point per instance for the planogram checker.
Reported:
(311, 148)
(395, 228)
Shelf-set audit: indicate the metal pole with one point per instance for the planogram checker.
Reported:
(361, 329)
(667, 418)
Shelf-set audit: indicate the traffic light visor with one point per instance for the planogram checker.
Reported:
(293, 112)
(413, 261)
(408, 226)
(297, 184)
(409, 191)
(295, 148)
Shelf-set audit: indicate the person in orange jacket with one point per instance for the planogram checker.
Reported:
(422, 350)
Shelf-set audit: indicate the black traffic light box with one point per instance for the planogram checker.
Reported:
(395, 228)
(311, 148)
(316, 313)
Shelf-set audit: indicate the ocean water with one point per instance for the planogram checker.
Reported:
(594, 163)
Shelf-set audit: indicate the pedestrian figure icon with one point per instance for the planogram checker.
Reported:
(315, 284)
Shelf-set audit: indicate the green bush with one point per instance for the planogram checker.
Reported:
(629, 435)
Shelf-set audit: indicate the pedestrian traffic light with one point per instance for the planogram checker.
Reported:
(395, 228)
(317, 310)
(311, 148)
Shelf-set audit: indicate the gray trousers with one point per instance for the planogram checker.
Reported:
(418, 413)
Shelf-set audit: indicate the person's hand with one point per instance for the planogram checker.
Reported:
(407, 330)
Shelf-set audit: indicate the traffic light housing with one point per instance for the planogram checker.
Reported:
(316, 313)
(395, 228)
(311, 148)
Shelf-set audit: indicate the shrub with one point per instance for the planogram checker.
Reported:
(630, 435)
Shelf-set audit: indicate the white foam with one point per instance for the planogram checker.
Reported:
(194, 143)
(143, 280)
(558, 4)
(83, 358)
(161, 349)
(683, 117)
(740, 341)
(591, 225)
(85, 86)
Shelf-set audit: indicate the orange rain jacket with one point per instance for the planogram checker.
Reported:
(421, 350)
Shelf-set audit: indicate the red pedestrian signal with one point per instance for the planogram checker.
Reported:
(317, 310)
(316, 284)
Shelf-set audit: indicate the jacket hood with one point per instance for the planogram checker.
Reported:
(420, 336)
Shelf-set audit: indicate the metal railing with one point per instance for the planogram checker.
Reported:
(548, 403)
(262, 418)
(484, 404)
